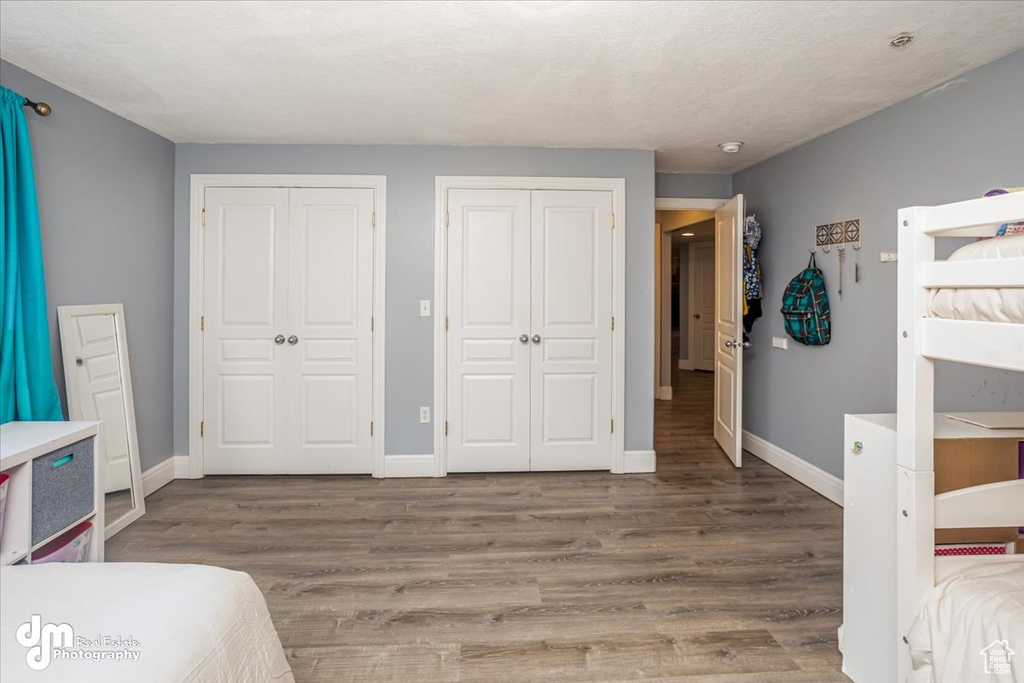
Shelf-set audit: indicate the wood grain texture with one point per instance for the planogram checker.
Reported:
(699, 572)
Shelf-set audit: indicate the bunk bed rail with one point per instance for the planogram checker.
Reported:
(972, 218)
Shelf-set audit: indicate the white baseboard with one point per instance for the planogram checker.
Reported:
(804, 472)
(685, 364)
(159, 475)
(638, 462)
(665, 393)
(409, 466)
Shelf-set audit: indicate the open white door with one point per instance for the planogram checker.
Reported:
(729, 328)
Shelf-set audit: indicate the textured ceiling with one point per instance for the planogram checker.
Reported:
(676, 77)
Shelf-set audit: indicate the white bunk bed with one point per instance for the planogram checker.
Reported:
(922, 339)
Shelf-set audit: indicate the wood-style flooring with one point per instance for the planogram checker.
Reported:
(699, 572)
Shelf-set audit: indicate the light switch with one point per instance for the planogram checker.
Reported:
(780, 342)
(425, 311)
(424, 414)
(888, 256)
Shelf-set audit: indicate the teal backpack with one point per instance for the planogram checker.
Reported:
(805, 311)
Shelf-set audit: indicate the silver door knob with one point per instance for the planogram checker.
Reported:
(731, 343)
(79, 361)
(279, 339)
(746, 344)
(293, 340)
(524, 339)
(536, 339)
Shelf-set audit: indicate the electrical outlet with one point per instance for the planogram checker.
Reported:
(780, 342)
(424, 414)
(424, 308)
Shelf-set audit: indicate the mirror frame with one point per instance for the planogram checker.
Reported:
(65, 317)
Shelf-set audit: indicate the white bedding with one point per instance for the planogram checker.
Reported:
(964, 616)
(190, 623)
(995, 305)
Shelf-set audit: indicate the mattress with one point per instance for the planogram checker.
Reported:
(967, 626)
(136, 622)
(995, 305)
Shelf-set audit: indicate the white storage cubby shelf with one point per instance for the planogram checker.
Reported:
(20, 444)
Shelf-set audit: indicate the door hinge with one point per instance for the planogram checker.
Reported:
(446, 427)
(371, 323)
(202, 429)
(373, 219)
(613, 221)
(204, 216)
(613, 323)
(446, 323)
(613, 426)
(202, 323)
(371, 428)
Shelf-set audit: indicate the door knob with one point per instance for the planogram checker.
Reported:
(78, 359)
(731, 343)
(293, 340)
(746, 344)
(524, 339)
(697, 316)
(536, 339)
(279, 339)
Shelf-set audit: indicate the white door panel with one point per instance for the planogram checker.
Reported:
(570, 365)
(245, 307)
(703, 282)
(488, 404)
(728, 328)
(330, 289)
(98, 383)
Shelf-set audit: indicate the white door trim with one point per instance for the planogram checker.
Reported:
(198, 184)
(683, 204)
(617, 186)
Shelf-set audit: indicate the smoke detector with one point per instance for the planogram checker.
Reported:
(901, 40)
(730, 147)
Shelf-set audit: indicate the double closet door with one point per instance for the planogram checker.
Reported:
(529, 330)
(287, 345)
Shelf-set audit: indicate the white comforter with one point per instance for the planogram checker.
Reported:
(995, 305)
(183, 622)
(963, 617)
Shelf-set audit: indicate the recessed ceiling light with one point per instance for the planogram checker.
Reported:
(730, 147)
(686, 234)
(901, 40)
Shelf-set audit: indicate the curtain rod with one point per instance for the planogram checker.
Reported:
(41, 108)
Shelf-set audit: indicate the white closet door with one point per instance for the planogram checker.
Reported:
(702, 278)
(729, 328)
(488, 382)
(571, 405)
(328, 350)
(245, 307)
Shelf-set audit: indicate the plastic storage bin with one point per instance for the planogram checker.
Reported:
(62, 489)
(71, 546)
(4, 483)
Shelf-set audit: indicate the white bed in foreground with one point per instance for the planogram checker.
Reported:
(185, 622)
(965, 615)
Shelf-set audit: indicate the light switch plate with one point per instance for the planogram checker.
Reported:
(425, 311)
(424, 414)
(780, 342)
(888, 256)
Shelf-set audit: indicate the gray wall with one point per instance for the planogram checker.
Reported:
(931, 149)
(410, 172)
(105, 190)
(693, 185)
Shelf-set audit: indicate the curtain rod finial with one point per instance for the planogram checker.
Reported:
(43, 109)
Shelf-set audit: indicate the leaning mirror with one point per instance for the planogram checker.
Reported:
(99, 387)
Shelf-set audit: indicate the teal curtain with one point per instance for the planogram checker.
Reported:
(27, 389)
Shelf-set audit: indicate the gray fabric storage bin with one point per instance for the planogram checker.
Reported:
(62, 488)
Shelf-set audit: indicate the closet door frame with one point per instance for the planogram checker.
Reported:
(198, 184)
(617, 186)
